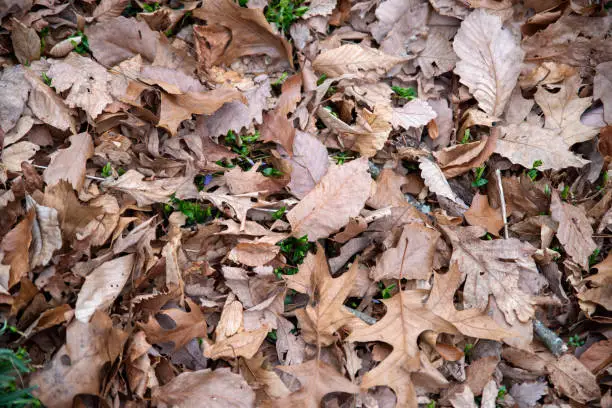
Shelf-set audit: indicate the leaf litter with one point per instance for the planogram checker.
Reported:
(313, 203)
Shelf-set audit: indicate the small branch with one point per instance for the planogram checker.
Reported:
(378, 214)
(503, 201)
(549, 338)
(86, 176)
(363, 316)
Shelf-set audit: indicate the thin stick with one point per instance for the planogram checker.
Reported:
(86, 176)
(554, 343)
(503, 201)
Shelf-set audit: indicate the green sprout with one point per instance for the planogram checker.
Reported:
(271, 336)
(278, 214)
(575, 341)
(107, 170)
(604, 181)
(431, 404)
(547, 190)
(271, 172)
(150, 8)
(331, 111)
(466, 136)
(281, 79)
(284, 12)
(405, 93)
(468, 348)
(195, 212)
(479, 181)
(342, 157)
(593, 257)
(81, 48)
(501, 393)
(43, 41)
(386, 291)
(243, 3)
(295, 249)
(565, 194)
(321, 79)
(533, 172)
(46, 79)
(13, 365)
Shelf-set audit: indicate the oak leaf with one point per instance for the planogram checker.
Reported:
(102, 286)
(406, 318)
(493, 267)
(489, 60)
(69, 164)
(575, 232)
(317, 379)
(354, 59)
(340, 195)
(215, 389)
(251, 34)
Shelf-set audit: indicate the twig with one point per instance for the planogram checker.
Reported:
(86, 176)
(549, 338)
(378, 214)
(503, 201)
(363, 316)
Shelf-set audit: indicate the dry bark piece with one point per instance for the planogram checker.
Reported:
(575, 231)
(489, 60)
(69, 164)
(340, 195)
(216, 389)
(251, 33)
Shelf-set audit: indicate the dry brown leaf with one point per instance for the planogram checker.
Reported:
(69, 164)
(437, 183)
(251, 34)
(26, 43)
(483, 215)
(489, 60)
(461, 158)
(413, 114)
(387, 190)
(177, 108)
(102, 286)
(188, 325)
(309, 164)
(562, 110)
(340, 195)
(524, 143)
(14, 89)
(406, 318)
(47, 106)
(215, 389)
(493, 267)
(480, 372)
(290, 94)
(253, 253)
(463, 399)
(600, 284)
(239, 204)
(14, 155)
(317, 379)
(15, 246)
(470, 322)
(277, 128)
(46, 233)
(575, 231)
(146, 192)
(324, 314)
(438, 55)
(77, 367)
(240, 181)
(355, 227)
(138, 364)
(354, 59)
(597, 356)
(265, 381)
(109, 9)
(573, 379)
(411, 258)
(602, 89)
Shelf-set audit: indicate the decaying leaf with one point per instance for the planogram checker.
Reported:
(415, 113)
(309, 164)
(26, 42)
(437, 183)
(600, 285)
(340, 194)
(146, 192)
(354, 59)
(46, 233)
(69, 164)
(483, 215)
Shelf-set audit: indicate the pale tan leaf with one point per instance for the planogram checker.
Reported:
(15, 154)
(340, 195)
(22, 127)
(437, 183)
(489, 60)
(215, 389)
(387, 190)
(69, 164)
(91, 86)
(46, 233)
(146, 192)
(461, 158)
(463, 399)
(64, 47)
(102, 286)
(562, 110)
(240, 181)
(600, 285)
(602, 88)
(438, 56)
(411, 258)
(48, 106)
(253, 253)
(256, 374)
(14, 89)
(240, 204)
(320, 8)
(525, 143)
(415, 113)
(354, 59)
(573, 379)
(251, 32)
(15, 245)
(483, 215)
(26, 43)
(277, 128)
(309, 163)
(108, 9)
(575, 232)
(242, 344)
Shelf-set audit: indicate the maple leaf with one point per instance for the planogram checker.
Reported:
(317, 379)
(489, 60)
(493, 267)
(406, 318)
(324, 314)
(340, 195)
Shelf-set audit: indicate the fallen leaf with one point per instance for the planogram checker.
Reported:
(265, 381)
(597, 356)
(102, 286)
(290, 94)
(47, 106)
(109, 9)
(309, 164)
(317, 379)
(387, 190)
(602, 88)
(438, 55)
(481, 214)
(253, 253)
(46, 233)
(354, 59)
(187, 326)
(15, 246)
(400, 327)
(463, 399)
(251, 33)
(414, 114)
(26, 43)
(573, 379)
(239, 204)
(277, 128)
(600, 284)
(215, 389)
(240, 181)
(14, 89)
(437, 183)
(493, 267)
(575, 231)
(489, 60)
(77, 367)
(412, 258)
(15, 154)
(527, 394)
(461, 158)
(480, 372)
(146, 192)
(69, 164)
(340, 195)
